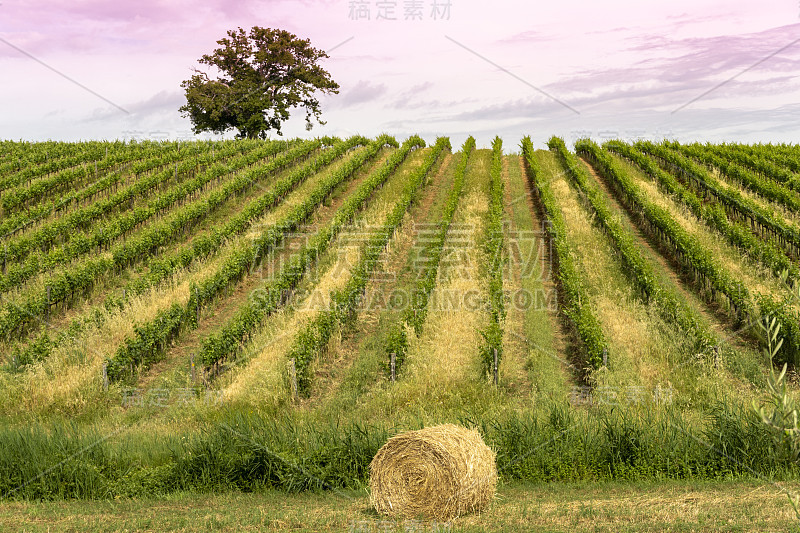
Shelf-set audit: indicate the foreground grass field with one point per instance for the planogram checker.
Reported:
(667, 506)
(191, 334)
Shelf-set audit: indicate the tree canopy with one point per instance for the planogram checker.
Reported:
(262, 76)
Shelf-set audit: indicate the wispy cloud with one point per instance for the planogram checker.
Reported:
(363, 91)
(163, 102)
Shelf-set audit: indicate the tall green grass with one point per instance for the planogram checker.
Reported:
(248, 452)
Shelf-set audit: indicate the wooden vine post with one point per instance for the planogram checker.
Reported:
(495, 367)
(292, 378)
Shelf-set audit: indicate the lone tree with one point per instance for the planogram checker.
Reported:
(262, 76)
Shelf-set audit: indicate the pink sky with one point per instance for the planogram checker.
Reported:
(605, 69)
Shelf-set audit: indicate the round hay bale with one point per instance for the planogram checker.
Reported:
(439, 472)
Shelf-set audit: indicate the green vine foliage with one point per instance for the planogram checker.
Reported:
(769, 187)
(760, 220)
(638, 268)
(740, 232)
(576, 303)
(20, 190)
(79, 278)
(186, 165)
(707, 270)
(414, 315)
(107, 234)
(312, 342)
(134, 165)
(494, 249)
(149, 343)
(161, 267)
(768, 162)
(225, 345)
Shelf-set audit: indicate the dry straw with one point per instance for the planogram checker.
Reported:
(439, 472)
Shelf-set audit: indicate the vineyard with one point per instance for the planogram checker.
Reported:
(240, 314)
